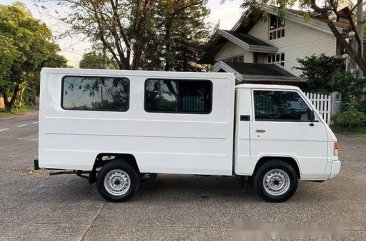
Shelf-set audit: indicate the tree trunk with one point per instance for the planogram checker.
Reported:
(359, 27)
(9, 104)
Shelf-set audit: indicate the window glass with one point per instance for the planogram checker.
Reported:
(161, 95)
(178, 96)
(273, 22)
(276, 27)
(278, 59)
(280, 106)
(95, 93)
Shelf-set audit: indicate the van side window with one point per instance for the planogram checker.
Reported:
(178, 96)
(95, 93)
(280, 106)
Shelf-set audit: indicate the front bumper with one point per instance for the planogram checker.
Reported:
(335, 168)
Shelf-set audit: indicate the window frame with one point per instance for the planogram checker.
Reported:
(234, 59)
(274, 120)
(278, 63)
(172, 112)
(280, 29)
(95, 76)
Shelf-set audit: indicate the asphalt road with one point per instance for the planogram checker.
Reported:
(35, 206)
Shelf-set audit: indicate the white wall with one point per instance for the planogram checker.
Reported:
(232, 50)
(299, 41)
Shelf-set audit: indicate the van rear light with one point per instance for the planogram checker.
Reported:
(336, 147)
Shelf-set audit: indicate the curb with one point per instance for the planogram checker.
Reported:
(19, 115)
(8, 118)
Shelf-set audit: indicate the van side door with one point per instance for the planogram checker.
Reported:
(282, 127)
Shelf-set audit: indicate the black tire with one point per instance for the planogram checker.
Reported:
(123, 169)
(276, 168)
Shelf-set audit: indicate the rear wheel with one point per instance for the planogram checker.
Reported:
(117, 181)
(275, 181)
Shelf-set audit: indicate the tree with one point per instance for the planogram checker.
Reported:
(94, 60)
(181, 34)
(27, 46)
(140, 33)
(7, 56)
(318, 72)
(327, 10)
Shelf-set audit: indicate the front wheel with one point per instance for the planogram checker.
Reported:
(117, 181)
(275, 181)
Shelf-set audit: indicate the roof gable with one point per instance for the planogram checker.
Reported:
(248, 20)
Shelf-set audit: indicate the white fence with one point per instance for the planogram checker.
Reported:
(323, 103)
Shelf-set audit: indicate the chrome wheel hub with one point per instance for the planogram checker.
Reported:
(276, 182)
(117, 182)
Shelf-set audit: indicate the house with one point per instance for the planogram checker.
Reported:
(265, 47)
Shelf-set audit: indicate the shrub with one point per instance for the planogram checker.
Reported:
(318, 71)
(361, 106)
(351, 118)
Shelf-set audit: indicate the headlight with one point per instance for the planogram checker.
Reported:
(336, 147)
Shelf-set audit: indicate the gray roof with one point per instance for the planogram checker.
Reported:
(254, 72)
(260, 69)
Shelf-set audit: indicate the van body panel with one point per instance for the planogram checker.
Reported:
(160, 142)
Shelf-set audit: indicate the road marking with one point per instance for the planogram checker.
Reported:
(22, 125)
(4, 129)
(34, 122)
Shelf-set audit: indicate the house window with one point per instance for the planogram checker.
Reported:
(236, 59)
(178, 96)
(95, 93)
(278, 59)
(276, 27)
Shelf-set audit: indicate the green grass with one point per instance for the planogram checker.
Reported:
(7, 114)
(348, 130)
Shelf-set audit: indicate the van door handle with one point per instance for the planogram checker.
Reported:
(260, 131)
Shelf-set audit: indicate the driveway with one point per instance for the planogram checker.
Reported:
(35, 206)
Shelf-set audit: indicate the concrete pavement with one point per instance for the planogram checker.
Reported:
(35, 206)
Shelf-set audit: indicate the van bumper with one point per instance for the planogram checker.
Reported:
(336, 167)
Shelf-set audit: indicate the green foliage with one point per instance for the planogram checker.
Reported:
(94, 60)
(318, 72)
(140, 34)
(179, 37)
(349, 119)
(26, 46)
(7, 55)
(350, 88)
(361, 106)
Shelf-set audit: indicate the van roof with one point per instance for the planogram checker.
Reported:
(266, 86)
(170, 74)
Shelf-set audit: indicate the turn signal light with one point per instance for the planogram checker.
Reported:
(336, 147)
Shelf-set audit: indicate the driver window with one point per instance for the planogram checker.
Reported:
(280, 106)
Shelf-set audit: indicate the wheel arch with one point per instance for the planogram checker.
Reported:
(103, 158)
(290, 160)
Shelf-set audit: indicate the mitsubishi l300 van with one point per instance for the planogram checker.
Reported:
(114, 126)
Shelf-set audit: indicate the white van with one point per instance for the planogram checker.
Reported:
(115, 126)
